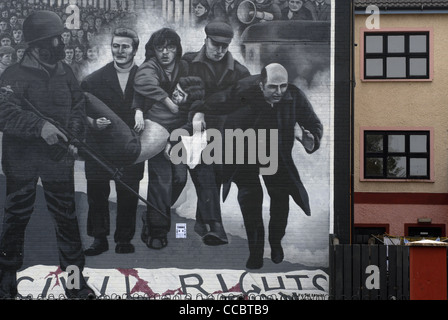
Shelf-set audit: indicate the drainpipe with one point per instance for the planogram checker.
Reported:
(352, 119)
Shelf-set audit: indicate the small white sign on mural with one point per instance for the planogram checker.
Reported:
(181, 230)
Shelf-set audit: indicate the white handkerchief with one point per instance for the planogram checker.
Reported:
(193, 146)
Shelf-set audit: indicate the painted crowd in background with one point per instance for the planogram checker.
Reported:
(166, 148)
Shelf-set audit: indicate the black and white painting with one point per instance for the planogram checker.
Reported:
(179, 148)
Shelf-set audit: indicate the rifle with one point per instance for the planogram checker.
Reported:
(114, 172)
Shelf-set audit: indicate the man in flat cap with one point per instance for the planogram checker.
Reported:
(215, 65)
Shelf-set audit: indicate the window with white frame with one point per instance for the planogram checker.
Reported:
(396, 154)
(396, 55)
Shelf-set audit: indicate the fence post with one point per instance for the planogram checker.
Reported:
(428, 273)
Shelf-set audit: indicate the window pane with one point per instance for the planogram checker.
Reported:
(417, 44)
(396, 167)
(396, 143)
(374, 67)
(418, 67)
(374, 44)
(396, 67)
(396, 154)
(418, 143)
(418, 167)
(395, 44)
(374, 143)
(374, 167)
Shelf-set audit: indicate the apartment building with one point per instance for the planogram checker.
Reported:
(400, 129)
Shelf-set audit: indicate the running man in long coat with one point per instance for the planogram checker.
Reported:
(268, 102)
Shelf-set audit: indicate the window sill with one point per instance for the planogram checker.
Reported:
(397, 180)
(396, 80)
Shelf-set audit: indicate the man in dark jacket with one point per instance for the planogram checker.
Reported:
(214, 63)
(268, 102)
(28, 148)
(217, 68)
(296, 11)
(113, 84)
(320, 9)
(226, 10)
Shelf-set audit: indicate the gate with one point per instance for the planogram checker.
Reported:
(369, 272)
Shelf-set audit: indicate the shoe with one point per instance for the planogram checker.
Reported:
(157, 243)
(84, 291)
(98, 246)
(124, 247)
(277, 254)
(216, 236)
(254, 262)
(8, 284)
(200, 228)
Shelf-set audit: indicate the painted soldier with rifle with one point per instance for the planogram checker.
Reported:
(31, 149)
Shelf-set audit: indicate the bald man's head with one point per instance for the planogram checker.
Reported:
(274, 82)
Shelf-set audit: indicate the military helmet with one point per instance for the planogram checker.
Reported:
(41, 25)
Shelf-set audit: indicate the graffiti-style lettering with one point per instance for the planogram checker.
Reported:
(255, 289)
(104, 286)
(297, 279)
(281, 284)
(197, 285)
(46, 287)
(316, 285)
(222, 282)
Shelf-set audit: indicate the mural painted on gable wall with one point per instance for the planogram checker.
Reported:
(165, 147)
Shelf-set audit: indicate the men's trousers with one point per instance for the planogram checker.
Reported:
(19, 205)
(166, 182)
(98, 220)
(250, 199)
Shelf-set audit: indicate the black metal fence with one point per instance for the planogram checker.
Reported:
(369, 272)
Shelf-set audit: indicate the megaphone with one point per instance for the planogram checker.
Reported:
(246, 12)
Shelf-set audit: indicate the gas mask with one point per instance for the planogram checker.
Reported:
(51, 50)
